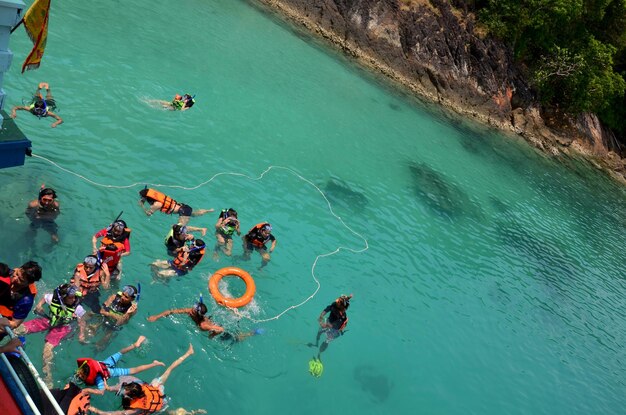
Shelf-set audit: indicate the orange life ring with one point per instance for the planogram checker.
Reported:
(228, 301)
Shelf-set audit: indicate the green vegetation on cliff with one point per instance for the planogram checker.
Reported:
(575, 51)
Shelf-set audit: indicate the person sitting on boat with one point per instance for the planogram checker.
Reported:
(255, 239)
(88, 276)
(179, 235)
(17, 292)
(40, 106)
(186, 259)
(64, 309)
(94, 373)
(161, 202)
(43, 212)
(114, 245)
(227, 224)
(139, 398)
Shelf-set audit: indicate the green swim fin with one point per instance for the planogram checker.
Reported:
(316, 368)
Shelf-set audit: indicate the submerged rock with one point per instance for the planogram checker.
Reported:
(338, 191)
(376, 384)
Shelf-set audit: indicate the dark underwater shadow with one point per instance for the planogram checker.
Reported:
(442, 196)
(376, 384)
(554, 267)
(343, 194)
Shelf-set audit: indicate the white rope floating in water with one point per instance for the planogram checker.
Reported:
(259, 177)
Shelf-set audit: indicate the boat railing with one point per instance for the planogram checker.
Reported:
(42, 385)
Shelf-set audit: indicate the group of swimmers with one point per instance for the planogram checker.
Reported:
(67, 303)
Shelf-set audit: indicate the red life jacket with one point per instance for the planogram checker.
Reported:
(168, 204)
(7, 301)
(111, 257)
(152, 401)
(95, 368)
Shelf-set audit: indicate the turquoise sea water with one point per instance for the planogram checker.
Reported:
(487, 278)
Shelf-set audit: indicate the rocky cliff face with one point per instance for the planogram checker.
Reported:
(437, 51)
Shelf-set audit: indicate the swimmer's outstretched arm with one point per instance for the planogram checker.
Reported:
(57, 118)
(18, 108)
(168, 312)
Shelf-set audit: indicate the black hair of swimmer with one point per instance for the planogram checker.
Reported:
(200, 243)
(144, 192)
(188, 100)
(32, 271)
(232, 212)
(47, 192)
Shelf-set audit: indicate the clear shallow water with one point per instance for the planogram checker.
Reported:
(493, 281)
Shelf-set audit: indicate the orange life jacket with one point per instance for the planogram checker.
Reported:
(187, 264)
(168, 204)
(152, 401)
(95, 368)
(7, 301)
(88, 283)
(112, 257)
(255, 235)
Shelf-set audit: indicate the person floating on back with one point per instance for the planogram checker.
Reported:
(186, 259)
(140, 398)
(161, 202)
(95, 373)
(255, 239)
(43, 212)
(178, 103)
(40, 106)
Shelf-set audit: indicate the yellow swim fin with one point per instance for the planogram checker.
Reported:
(316, 368)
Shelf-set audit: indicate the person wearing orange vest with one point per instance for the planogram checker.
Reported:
(17, 292)
(187, 258)
(95, 373)
(88, 276)
(255, 239)
(140, 398)
(114, 245)
(161, 202)
(336, 323)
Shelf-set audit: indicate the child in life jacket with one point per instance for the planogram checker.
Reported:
(139, 398)
(95, 373)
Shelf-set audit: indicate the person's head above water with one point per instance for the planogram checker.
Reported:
(47, 195)
(344, 301)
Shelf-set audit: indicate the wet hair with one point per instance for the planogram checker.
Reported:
(200, 308)
(232, 212)
(144, 193)
(47, 192)
(344, 301)
(32, 271)
(200, 243)
(5, 270)
(188, 100)
(131, 391)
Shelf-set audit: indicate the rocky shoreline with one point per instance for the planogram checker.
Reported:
(435, 51)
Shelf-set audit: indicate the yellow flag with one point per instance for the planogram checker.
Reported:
(36, 25)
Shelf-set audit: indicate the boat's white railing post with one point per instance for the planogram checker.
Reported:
(36, 375)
